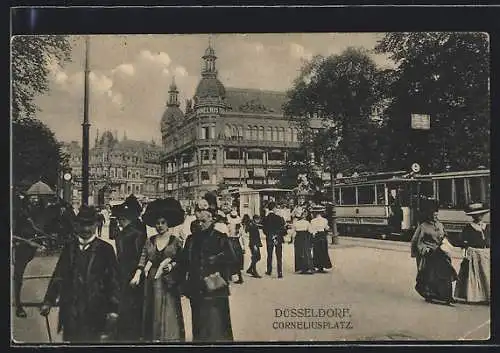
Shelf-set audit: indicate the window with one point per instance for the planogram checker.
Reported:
(288, 134)
(261, 133)
(276, 156)
(233, 154)
(227, 131)
(214, 155)
(445, 199)
(427, 189)
(255, 155)
(137, 189)
(474, 190)
(205, 156)
(366, 195)
(240, 132)
(380, 194)
(272, 134)
(205, 178)
(282, 134)
(460, 200)
(212, 131)
(129, 189)
(137, 175)
(348, 196)
(269, 134)
(205, 132)
(248, 133)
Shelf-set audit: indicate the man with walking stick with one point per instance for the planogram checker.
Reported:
(86, 282)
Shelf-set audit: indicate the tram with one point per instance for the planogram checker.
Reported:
(253, 201)
(388, 204)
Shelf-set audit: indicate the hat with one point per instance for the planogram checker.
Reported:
(429, 205)
(124, 211)
(133, 204)
(233, 213)
(168, 208)
(86, 215)
(476, 208)
(211, 198)
(318, 208)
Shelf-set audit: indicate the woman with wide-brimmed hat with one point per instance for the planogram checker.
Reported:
(162, 319)
(319, 228)
(473, 284)
(302, 243)
(435, 271)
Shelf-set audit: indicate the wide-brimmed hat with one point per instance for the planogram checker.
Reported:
(133, 204)
(123, 210)
(318, 209)
(168, 208)
(429, 205)
(476, 208)
(86, 215)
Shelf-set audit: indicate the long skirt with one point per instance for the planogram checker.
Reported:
(473, 284)
(130, 313)
(211, 319)
(303, 251)
(235, 244)
(321, 258)
(162, 315)
(435, 276)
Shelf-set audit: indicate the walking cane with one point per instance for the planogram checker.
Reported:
(47, 324)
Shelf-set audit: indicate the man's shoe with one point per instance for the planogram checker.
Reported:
(249, 271)
(256, 275)
(280, 275)
(268, 273)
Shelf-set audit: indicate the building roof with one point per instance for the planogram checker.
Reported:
(171, 115)
(210, 87)
(255, 101)
(137, 145)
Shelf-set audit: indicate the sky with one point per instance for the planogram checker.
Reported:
(130, 75)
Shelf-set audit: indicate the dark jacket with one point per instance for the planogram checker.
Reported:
(206, 252)
(101, 286)
(253, 235)
(274, 226)
(473, 238)
(129, 244)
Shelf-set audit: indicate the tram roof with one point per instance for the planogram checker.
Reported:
(463, 173)
(362, 181)
(250, 191)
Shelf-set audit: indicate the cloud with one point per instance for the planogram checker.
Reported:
(181, 71)
(127, 69)
(101, 83)
(299, 52)
(161, 58)
(165, 72)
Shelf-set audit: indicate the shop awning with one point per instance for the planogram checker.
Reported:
(233, 173)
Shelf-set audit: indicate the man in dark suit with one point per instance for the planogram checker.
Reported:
(274, 229)
(86, 282)
(129, 243)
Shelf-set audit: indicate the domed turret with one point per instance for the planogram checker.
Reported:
(107, 139)
(209, 85)
(173, 114)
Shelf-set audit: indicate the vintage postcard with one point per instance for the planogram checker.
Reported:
(319, 187)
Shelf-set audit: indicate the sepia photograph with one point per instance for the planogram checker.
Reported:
(259, 187)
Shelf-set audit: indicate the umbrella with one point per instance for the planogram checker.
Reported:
(40, 188)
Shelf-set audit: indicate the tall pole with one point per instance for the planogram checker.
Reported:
(85, 128)
(334, 202)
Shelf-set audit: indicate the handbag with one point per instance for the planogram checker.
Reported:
(214, 282)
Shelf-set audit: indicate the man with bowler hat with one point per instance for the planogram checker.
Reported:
(85, 281)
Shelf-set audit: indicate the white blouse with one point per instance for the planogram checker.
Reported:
(319, 224)
(302, 226)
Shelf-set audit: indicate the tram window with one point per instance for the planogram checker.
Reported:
(348, 196)
(366, 195)
(337, 196)
(427, 189)
(473, 190)
(460, 200)
(445, 200)
(380, 194)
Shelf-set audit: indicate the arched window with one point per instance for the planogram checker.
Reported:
(282, 134)
(276, 134)
(227, 132)
(256, 132)
(261, 133)
(240, 132)
(248, 133)
(269, 133)
(288, 134)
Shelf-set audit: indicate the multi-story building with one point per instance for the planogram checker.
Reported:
(118, 169)
(227, 136)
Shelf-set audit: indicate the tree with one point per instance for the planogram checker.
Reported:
(445, 75)
(35, 154)
(344, 92)
(30, 56)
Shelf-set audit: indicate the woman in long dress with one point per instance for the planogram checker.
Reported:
(473, 284)
(319, 228)
(236, 240)
(207, 259)
(435, 271)
(162, 319)
(302, 243)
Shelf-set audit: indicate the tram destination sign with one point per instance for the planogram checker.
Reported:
(420, 121)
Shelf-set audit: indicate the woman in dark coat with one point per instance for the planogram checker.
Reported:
(435, 271)
(473, 283)
(162, 319)
(208, 255)
(129, 244)
(254, 242)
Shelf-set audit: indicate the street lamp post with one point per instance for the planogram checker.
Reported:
(334, 213)
(85, 132)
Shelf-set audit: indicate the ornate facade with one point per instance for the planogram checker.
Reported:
(118, 169)
(227, 136)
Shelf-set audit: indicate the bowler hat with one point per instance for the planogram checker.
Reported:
(124, 211)
(86, 215)
(476, 208)
(168, 208)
